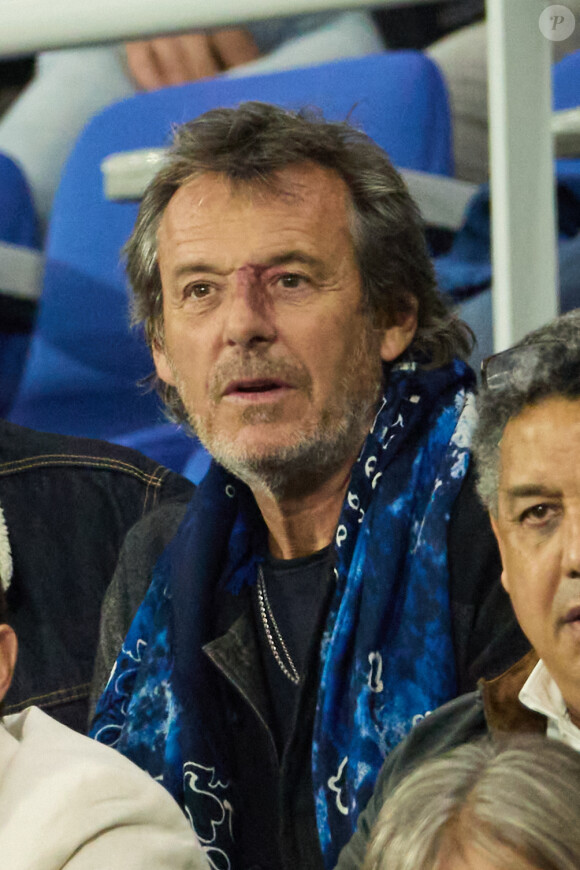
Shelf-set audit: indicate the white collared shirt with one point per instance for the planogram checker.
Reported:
(540, 692)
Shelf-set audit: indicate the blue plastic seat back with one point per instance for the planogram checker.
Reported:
(467, 270)
(18, 221)
(566, 95)
(85, 362)
(566, 82)
(18, 227)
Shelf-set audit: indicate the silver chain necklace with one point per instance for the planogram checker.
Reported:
(273, 634)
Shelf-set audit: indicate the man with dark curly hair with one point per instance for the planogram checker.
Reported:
(527, 446)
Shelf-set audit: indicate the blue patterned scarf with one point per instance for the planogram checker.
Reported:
(386, 654)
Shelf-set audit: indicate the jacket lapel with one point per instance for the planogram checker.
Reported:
(503, 710)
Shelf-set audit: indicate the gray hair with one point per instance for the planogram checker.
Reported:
(554, 371)
(3, 605)
(3, 617)
(249, 145)
(511, 800)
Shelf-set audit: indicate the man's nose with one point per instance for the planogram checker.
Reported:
(571, 544)
(249, 316)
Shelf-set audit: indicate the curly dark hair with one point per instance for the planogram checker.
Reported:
(249, 145)
(554, 371)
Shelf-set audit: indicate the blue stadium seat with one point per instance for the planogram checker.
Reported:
(85, 363)
(18, 221)
(465, 273)
(19, 236)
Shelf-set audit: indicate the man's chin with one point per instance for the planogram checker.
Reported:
(288, 470)
(286, 459)
(263, 466)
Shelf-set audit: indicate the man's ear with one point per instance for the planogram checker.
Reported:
(495, 527)
(8, 649)
(398, 336)
(162, 365)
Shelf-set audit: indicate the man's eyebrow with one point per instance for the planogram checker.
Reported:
(293, 257)
(277, 260)
(201, 266)
(531, 490)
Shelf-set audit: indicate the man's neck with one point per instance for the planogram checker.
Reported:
(303, 525)
(574, 714)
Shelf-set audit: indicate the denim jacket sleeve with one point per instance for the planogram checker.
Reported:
(68, 504)
(143, 546)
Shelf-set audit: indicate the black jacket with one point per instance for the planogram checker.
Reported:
(277, 826)
(68, 504)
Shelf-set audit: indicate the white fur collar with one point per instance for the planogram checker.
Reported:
(5, 554)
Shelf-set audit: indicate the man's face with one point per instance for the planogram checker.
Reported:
(538, 530)
(265, 334)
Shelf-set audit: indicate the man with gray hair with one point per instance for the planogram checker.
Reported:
(487, 805)
(320, 592)
(527, 446)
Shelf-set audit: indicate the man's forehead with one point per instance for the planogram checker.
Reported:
(288, 186)
(213, 214)
(540, 448)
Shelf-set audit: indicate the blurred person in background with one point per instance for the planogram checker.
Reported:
(68, 802)
(510, 804)
(462, 57)
(70, 86)
(103, 75)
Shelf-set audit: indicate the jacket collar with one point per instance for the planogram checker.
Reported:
(503, 710)
(236, 654)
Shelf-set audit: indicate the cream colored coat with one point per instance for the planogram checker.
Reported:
(69, 802)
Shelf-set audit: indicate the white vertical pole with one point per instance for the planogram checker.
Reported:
(525, 277)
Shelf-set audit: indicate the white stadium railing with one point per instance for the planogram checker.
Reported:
(36, 25)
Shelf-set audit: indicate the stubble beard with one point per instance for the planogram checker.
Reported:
(317, 451)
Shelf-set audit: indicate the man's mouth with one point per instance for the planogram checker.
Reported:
(573, 615)
(256, 388)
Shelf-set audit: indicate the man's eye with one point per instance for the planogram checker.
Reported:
(198, 291)
(291, 280)
(538, 514)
